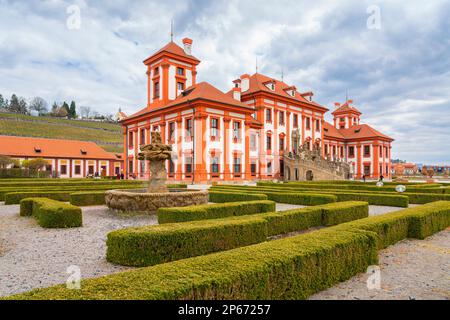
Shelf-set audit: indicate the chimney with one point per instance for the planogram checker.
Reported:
(337, 104)
(187, 45)
(237, 93)
(245, 82)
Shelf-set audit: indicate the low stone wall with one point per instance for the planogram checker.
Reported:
(126, 200)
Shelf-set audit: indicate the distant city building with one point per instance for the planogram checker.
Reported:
(405, 169)
(66, 158)
(245, 133)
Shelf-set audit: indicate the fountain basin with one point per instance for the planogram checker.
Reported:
(140, 200)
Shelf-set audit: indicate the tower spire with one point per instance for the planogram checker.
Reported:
(171, 30)
(256, 64)
(282, 75)
(346, 95)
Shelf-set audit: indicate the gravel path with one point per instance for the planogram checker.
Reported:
(410, 269)
(32, 256)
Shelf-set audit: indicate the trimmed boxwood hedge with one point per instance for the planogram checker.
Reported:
(280, 196)
(91, 198)
(15, 197)
(290, 268)
(414, 198)
(230, 196)
(51, 213)
(213, 211)
(288, 194)
(150, 245)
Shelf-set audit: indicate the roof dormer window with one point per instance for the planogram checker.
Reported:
(37, 150)
(83, 152)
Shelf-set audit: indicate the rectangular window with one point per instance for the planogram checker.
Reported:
(326, 149)
(130, 166)
(142, 136)
(237, 165)
(281, 143)
(253, 168)
(215, 164)
(130, 139)
(188, 165)
(269, 168)
(367, 170)
(342, 152)
(252, 142)
(351, 152)
(215, 128)
(142, 166)
(236, 130)
(366, 151)
(317, 125)
(189, 128)
(77, 169)
(295, 120)
(63, 169)
(308, 123)
(281, 116)
(180, 86)
(180, 71)
(172, 132)
(156, 90)
(171, 167)
(156, 71)
(268, 115)
(91, 169)
(269, 142)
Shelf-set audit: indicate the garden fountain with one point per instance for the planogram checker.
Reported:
(157, 194)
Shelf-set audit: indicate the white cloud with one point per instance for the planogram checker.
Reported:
(398, 75)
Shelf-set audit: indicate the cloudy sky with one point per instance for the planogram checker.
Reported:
(396, 68)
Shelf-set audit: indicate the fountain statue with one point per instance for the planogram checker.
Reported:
(157, 153)
(156, 195)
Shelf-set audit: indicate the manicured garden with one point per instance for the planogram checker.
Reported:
(239, 246)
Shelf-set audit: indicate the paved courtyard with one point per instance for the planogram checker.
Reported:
(31, 256)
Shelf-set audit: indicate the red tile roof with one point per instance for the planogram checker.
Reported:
(257, 84)
(173, 48)
(52, 148)
(202, 90)
(345, 108)
(361, 131)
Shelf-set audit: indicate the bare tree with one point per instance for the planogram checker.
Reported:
(85, 111)
(39, 104)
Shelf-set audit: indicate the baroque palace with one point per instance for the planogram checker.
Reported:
(246, 133)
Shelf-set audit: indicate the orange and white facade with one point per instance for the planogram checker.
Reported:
(65, 158)
(366, 150)
(216, 136)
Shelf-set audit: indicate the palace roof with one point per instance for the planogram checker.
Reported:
(346, 108)
(361, 131)
(199, 91)
(53, 148)
(175, 49)
(258, 83)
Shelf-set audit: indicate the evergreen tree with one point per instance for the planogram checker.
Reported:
(14, 105)
(72, 110)
(55, 108)
(66, 107)
(23, 106)
(2, 102)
